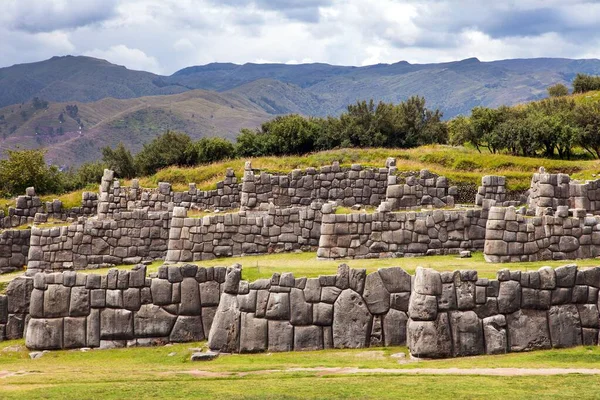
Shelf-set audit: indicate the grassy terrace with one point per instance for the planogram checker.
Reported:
(166, 372)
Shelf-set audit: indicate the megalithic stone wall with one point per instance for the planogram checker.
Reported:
(347, 310)
(425, 190)
(356, 185)
(389, 234)
(14, 247)
(457, 314)
(123, 308)
(244, 232)
(14, 308)
(560, 235)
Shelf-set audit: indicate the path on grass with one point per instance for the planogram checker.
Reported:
(413, 371)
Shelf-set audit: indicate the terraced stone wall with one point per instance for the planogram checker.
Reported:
(356, 185)
(244, 232)
(424, 190)
(559, 235)
(14, 247)
(455, 314)
(393, 234)
(122, 308)
(14, 308)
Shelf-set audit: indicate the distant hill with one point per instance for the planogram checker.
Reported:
(75, 137)
(117, 104)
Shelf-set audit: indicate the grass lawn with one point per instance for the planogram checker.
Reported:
(167, 372)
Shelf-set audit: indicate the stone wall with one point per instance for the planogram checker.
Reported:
(123, 308)
(356, 185)
(131, 237)
(456, 314)
(559, 235)
(348, 310)
(394, 234)
(14, 247)
(243, 233)
(14, 308)
(554, 190)
(426, 190)
(493, 188)
(114, 198)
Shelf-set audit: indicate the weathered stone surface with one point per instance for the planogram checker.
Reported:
(190, 297)
(447, 299)
(494, 333)
(187, 329)
(74, 330)
(209, 293)
(253, 333)
(301, 312)
(322, 314)
(44, 334)
(56, 301)
(36, 306)
(422, 307)
(18, 293)
(588, 315)
(509, 297)
(278, 306)
(224, 333)
(430, 339)
(565, 275)
(208, 356)
(427, 281)
(247, 301)
(312, 290)
(528, 330)
(116, 324)
(280, 336)
(80, 302)
(467, 333)
(394, 328)
(162, 291)
(351, 321)
(376, 295)
(93, 328)
(395, 279)
(208, 315)
(308, 338)
(565, 327)
(465, 295)
(153, 321)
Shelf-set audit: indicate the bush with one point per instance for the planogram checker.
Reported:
(119, 160)
(214, 149)
(170, 148)
(22, 169)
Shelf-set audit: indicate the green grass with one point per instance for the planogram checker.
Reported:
(152, 373)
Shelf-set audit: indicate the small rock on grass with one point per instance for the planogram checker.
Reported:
(465, 254)
(208, 356)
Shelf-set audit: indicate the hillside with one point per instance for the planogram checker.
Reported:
(73, 137)
(310, 89)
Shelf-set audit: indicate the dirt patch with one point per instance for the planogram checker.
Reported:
(8, 374)
(321, 371)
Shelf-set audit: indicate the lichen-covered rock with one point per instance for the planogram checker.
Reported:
(151, 321)
(430, 339)
(422, 307)
(278, 306)
(427, 282)
(187, 329)
(565, 326)
(509, 297)
(528, 330)
(351, 321)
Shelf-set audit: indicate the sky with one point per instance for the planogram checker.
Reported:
(163, 36)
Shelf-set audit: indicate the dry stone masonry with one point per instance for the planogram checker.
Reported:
(426, 190)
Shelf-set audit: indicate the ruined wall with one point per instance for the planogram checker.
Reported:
(244, 232)
(457, 314)
(123, 308)
(14, 247)
(426, 190)
(554, 190)
(14, 308)
(563, 234)
(393, 234)
(356, 185)
(91, 243)
(114, 198)
(347, 310)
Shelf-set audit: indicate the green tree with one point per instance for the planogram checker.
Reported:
(558, 90)
(587, 117)
(170, 148)
(119, 160)
(214, 149)
(585, 83)
(460, 131)
(25, 168)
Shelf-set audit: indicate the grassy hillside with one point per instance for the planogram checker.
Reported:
(73, 139)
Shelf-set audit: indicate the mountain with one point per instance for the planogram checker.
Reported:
(75, 132)
(117, 104)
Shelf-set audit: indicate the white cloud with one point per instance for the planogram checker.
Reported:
(131, 58)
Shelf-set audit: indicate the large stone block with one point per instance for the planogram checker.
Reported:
(301, 312)
(376, 295)
(394, 328)
(209, 293)
(18, 293)
(308, 338)
(44, 334)
(253, 333)
(152, 321)
(565, 326)
(422, 307)
(116, 324)
(190, 297)
(74, 330)
(395, 279)
(430, 339)
(467, 333)
(187, 329)
(509, 297)
(351, 321)
(427, 282)
(280, 336)
(278, 306)
(93, 328)
(528, 330)
(494, 333)
(162, 291)
(80, 302)
(224, 333)
(56, 301)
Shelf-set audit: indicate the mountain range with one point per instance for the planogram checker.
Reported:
(117, 104)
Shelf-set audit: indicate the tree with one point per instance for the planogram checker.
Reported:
(170, 148)
(585, 83)
(460, 131)
(25, 168)
(558, 90)
(214, 149)
(119, 160)
(587, 117)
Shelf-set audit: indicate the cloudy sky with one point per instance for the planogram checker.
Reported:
(163, 36)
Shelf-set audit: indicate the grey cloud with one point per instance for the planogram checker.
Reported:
(305, 11)
(49, 15)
